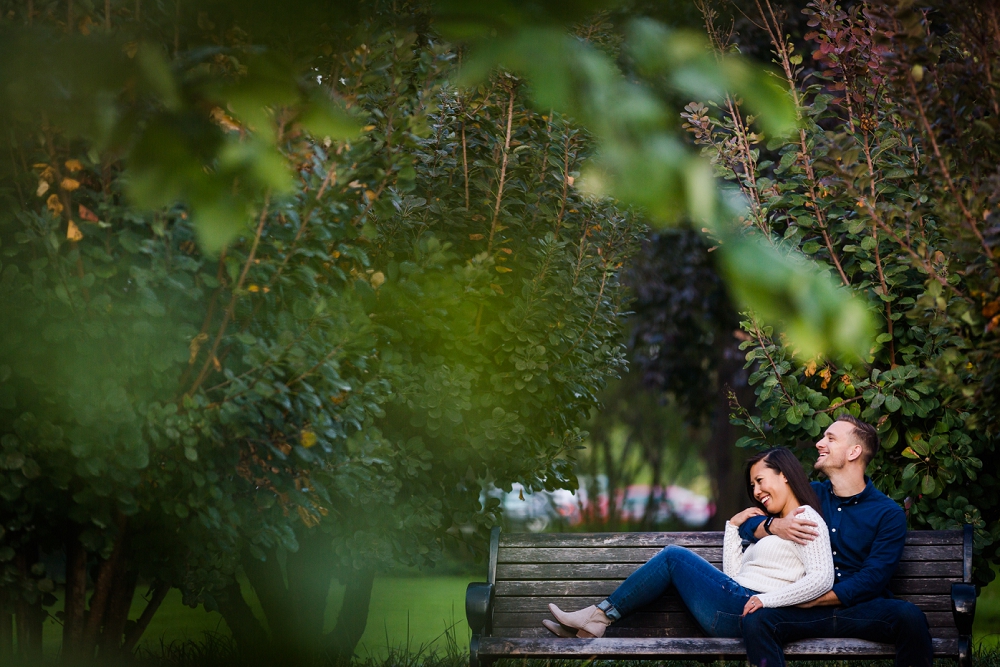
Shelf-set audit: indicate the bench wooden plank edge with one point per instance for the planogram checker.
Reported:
(686, 648)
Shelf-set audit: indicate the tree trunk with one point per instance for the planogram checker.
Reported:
(119, 604)
(76, 597)
(29, 616)
(310, 571)
(268, 583)
(353, 616)
(725, 460)
(246, 629)
(109, 571)
(6, 628)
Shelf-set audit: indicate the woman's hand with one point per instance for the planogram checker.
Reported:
(746, 514)
(752, 605)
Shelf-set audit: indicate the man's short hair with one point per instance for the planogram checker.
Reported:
(866, 434)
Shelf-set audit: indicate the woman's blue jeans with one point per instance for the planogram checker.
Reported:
(715, 600)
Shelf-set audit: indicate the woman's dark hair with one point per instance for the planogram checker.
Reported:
(781, 459)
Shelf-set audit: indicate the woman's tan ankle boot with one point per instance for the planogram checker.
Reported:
(588, 622)
(559, 630)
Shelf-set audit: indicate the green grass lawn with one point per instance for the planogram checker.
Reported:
(415, 611)
(986, 629)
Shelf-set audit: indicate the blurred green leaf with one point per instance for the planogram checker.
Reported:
(787, 290)
(324, 118)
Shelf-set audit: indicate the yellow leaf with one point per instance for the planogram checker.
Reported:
(48, 174)
(476, 237)
(368, 128)
(370, 194)
(73, 232)
(224, 120)
(69, 184)
(73, 165)
(826, 374)
(307, 518)
(54, 204)
(503, 269)
(43, 187)
(378, 278)
(195, 345)
(810, 369)
(496, 288)
(308, 438)
(253, 288)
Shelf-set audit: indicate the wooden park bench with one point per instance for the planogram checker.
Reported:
(527, 571)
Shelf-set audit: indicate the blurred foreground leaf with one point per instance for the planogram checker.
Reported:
(818, 315)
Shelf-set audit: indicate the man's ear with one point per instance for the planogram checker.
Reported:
(855, 452)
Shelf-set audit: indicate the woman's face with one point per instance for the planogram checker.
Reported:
(771, 489)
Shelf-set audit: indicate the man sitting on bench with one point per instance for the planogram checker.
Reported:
(867, 534)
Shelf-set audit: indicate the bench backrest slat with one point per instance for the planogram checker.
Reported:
(576, 570)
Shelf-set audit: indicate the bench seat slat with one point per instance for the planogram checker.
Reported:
(519, 605)
(640, 619)
(605, 587)
(643, 554)
(522, 571)
(688, 539)
(657, 619)
(547, 647)
(638, 633)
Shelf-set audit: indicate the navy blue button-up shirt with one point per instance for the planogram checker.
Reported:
(867, 534)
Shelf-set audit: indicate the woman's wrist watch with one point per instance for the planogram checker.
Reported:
(767, 525)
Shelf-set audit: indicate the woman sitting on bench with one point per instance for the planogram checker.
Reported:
(770, 573)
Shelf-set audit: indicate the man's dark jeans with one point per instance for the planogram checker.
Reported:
(888, 621)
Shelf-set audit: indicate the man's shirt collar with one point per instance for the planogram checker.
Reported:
(855, 499)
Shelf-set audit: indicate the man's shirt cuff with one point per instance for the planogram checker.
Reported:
(749, 526)
(844, 593)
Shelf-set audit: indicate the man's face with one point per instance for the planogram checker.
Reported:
(837, 444)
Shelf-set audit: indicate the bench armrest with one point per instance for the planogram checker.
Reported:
(963, 607)
(479, 607)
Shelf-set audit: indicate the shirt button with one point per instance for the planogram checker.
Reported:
(839, 508)
(834, 553)
(835, 530)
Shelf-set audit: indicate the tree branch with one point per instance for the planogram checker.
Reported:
(135, 634)
(228, 315)
(503, 171)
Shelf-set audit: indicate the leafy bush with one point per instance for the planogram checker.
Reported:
(890, 183)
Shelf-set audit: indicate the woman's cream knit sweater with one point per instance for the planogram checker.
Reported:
(784, 573)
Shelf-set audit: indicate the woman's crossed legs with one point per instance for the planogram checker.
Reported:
(715, 600)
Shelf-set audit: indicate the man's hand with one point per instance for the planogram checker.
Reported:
(792, 527)
(828, 599)
(738, 519)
